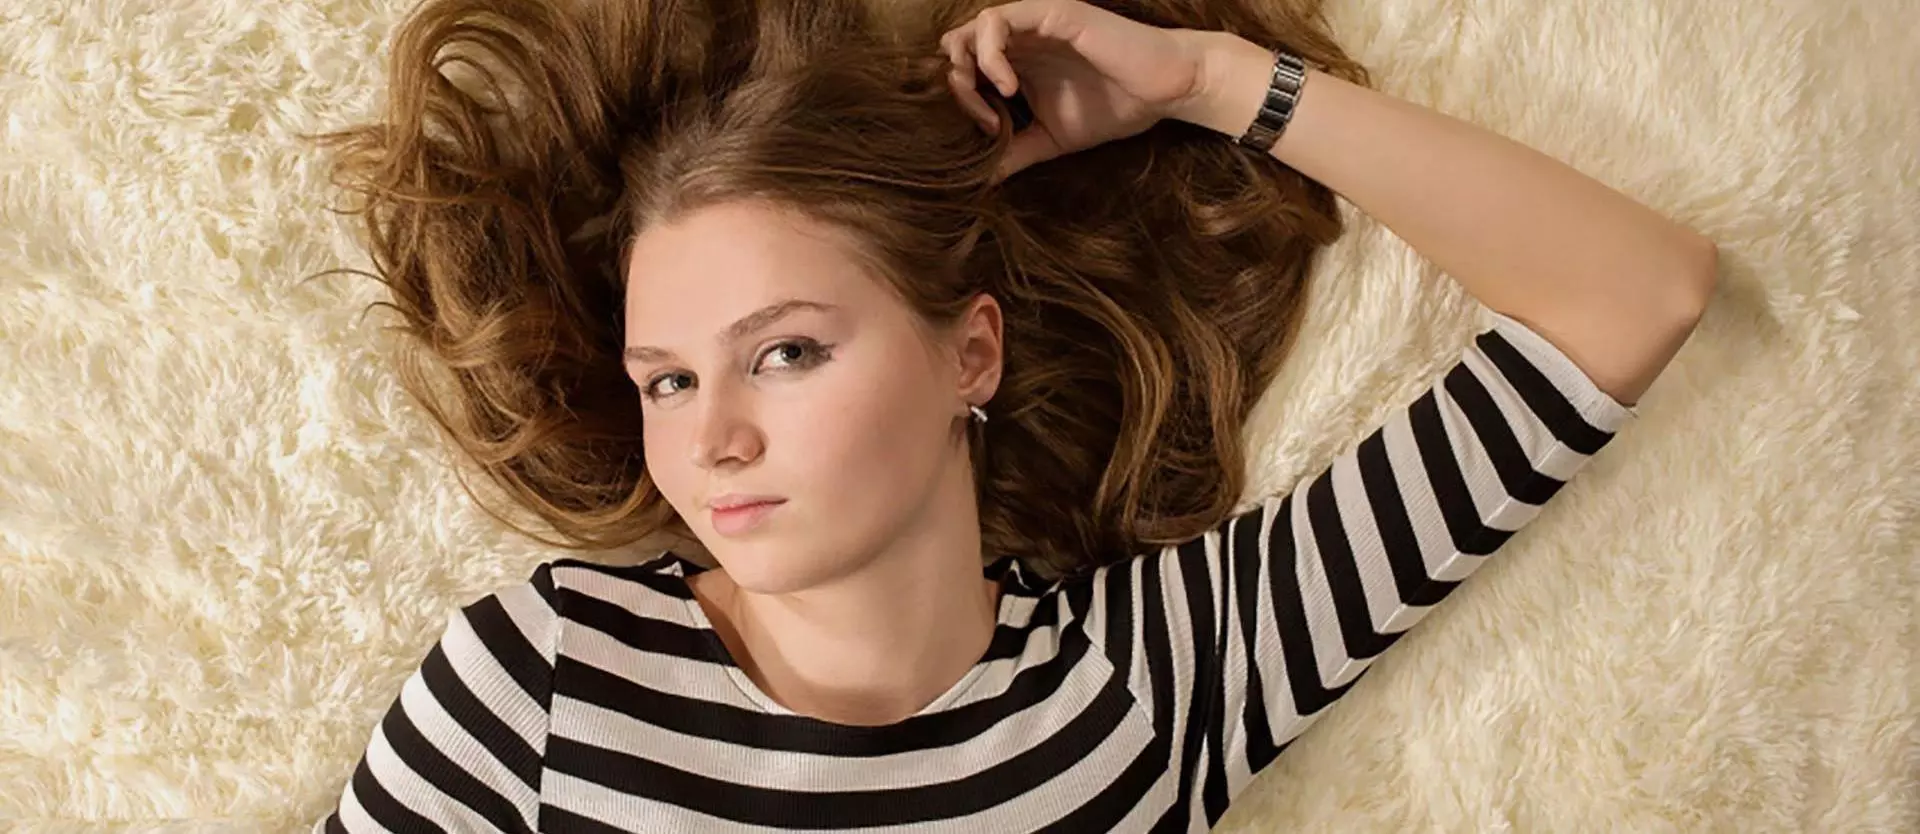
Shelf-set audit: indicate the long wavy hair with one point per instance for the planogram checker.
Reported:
(1150, 287)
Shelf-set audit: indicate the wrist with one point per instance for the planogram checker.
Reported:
(1230, 84)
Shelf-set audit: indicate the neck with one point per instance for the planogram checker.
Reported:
(878, 644)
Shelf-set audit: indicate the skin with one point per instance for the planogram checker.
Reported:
(860, 599)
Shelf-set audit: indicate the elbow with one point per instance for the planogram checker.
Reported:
(1699, 275)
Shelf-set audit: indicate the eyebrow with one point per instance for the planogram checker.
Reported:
(749, 323)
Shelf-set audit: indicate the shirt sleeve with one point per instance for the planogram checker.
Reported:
(460, 749)
(1238, 640)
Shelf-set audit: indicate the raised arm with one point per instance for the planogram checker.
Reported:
(1237, 641)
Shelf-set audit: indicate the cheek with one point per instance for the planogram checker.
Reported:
(667, 462)
(872, 433)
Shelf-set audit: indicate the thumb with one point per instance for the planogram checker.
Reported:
(1029, 147)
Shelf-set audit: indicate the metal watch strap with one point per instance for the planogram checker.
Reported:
(1283, 93)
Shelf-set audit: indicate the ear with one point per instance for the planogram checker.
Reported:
(980, 349)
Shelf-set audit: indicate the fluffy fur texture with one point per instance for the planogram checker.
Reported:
(226, 537)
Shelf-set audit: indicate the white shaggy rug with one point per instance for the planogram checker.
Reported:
(226, 537)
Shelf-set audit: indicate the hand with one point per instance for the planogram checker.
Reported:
(1090, 75)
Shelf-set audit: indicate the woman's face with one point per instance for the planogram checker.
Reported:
(771, 363)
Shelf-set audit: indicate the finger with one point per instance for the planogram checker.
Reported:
(961, 78)
(978, 109)
(955, 45)
(990, 47)
(1029, 147)
(1047, 18)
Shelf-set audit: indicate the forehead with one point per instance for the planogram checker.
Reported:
(708, 267)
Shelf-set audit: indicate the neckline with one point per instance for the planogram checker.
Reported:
(1006, 570)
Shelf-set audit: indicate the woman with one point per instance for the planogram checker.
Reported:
(953, 406)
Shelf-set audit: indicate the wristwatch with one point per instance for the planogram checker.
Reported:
(1283, 94)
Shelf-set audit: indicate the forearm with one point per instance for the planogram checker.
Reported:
(1525, 234)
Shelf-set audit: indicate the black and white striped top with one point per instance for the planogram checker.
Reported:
(1143, 698)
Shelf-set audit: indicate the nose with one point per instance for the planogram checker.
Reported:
(724, 432)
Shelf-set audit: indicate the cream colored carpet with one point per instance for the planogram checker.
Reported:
(225, 536)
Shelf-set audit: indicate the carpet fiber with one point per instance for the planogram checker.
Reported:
(226, 536)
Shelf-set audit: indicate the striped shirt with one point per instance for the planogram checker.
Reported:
(1141, 698)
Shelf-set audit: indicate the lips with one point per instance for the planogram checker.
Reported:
(734, 516)
(735, 502)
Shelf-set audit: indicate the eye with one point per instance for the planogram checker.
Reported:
(788, 355)
(652, 389)
(794, 353)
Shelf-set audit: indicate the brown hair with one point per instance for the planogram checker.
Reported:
(1150, 286)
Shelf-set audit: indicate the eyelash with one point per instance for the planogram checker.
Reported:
(813, 354)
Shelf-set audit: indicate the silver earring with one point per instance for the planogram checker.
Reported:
(979, 414)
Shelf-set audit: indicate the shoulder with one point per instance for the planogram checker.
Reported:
(529, 613)
(642, 588)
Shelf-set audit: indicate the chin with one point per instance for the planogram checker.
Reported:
(771, 566)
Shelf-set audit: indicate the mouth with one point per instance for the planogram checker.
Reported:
(733, 519)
